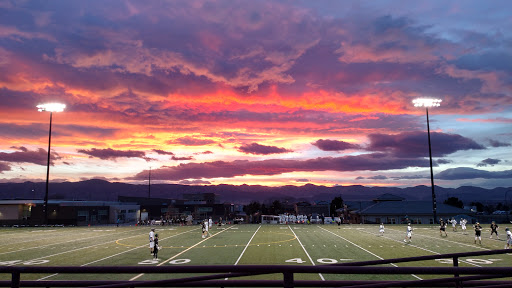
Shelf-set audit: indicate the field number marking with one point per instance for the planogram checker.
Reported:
(321, 260)
(29, 262)
(179, 261)
(473, 261)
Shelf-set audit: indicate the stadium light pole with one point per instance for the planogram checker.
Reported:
(427, 102)
(50, 107)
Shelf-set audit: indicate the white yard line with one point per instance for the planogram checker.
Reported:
(303, 248)
(425, 249)
(458, 243)
(168, 260)
(141, 246)
(365, 250)
(242, 254)
(247, 245)
(59, 243)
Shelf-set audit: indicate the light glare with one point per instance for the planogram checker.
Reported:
(426, 102)
(51, 107)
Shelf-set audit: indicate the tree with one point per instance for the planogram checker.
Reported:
(454, 201)
(252, 208)
(276, 208)
(336, 203)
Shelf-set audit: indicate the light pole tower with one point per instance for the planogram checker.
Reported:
(50, 107)
(425, 102)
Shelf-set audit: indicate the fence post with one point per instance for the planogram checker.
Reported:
(288, 280)
(456, 275)
(15, 282)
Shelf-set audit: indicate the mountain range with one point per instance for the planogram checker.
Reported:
(100, 190)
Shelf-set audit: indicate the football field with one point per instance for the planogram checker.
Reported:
(308, 245)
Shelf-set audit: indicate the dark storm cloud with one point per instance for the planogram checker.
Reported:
(471, 173)
(111, 154)
(370, 162)
(377, 177)
(39, 156)
(443, 161)
(189, 141)
(488, 161)
(258, 149)
(185, 158)
(415, 144)
(302, 180)
(4, 167)
(487, 61)
(334, 145)
(162, 152)
(496, 143)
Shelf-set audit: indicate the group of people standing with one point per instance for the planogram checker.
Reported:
(206, 225)
(153, 243)
(478, 230)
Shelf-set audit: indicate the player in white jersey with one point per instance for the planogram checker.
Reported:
(463, 225)
(509, 238)
(381, 229)
(454, 224)
(207, 226)
(151, 240)
(408, 234)
(210, 222)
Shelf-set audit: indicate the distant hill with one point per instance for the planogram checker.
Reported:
(106, 191)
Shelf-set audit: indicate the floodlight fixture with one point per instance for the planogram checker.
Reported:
(426, 102)
(49, 107)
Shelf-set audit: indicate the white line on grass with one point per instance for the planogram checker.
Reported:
(24, 249)
(469, 245)
(60, 253)
(365, 250)
(237, 260)
(168, 260)
(425, 249)
(145, 245)
(312, 262)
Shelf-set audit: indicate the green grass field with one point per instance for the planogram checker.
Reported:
(238, 245)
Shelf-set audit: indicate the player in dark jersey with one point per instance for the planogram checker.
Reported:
(494, 229)
(478, 233)
(442, 227)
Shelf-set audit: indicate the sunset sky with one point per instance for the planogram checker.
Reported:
(257, 92)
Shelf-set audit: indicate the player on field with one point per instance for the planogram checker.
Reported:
(151, 240)
(207, 226)
(478, 233)
(454, 224)
(381, 229)
(463, 225)
(494, 229)
(442, 227)
(408, 234)
(203, 229)
(509, 238)
(155, 251)
(210, 222)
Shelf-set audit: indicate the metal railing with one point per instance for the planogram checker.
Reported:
(473, 276)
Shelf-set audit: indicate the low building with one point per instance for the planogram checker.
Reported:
(391, 209)
(62, 212)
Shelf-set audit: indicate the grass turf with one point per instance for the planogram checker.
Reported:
(238, 244)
